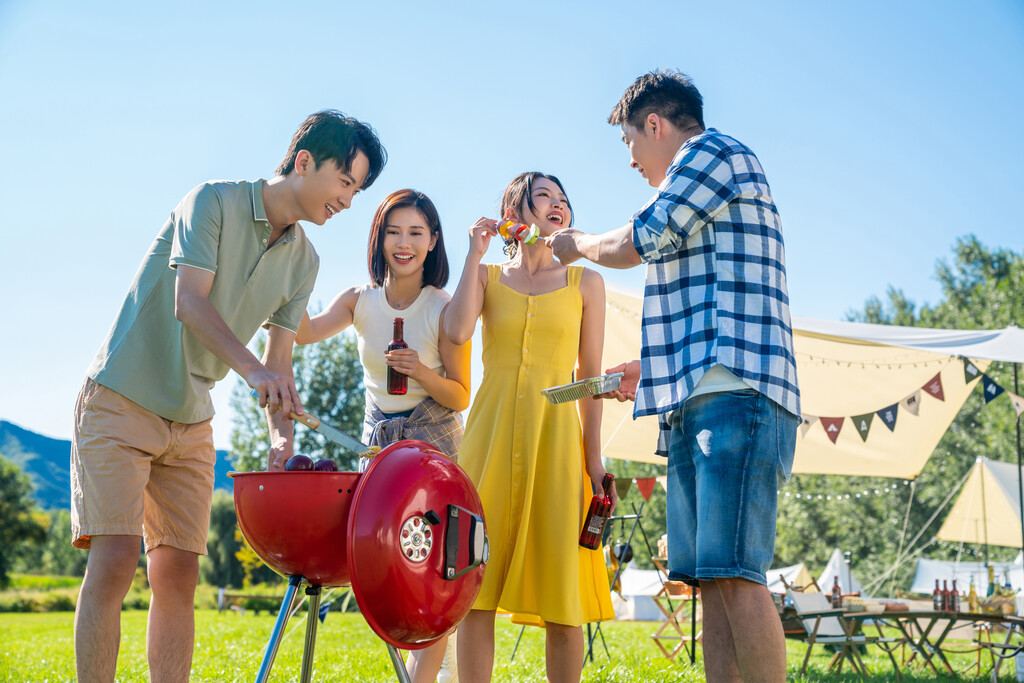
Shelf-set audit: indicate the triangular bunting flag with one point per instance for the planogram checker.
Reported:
(912, 403)
(971, 371)
(646, 486)
(622, 485)
(888, 416)
(832, 426)
(1018, 402)
(863, 424)
(324, 609)
(806, 422)
(663, 480)
(991, 388)
(934, 387)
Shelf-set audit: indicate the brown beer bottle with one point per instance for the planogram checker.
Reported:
(837, 593)
(937, 597)
(597, 515)
(945, 596)
(397, 380)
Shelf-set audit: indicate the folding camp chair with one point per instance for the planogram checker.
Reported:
(824, 625)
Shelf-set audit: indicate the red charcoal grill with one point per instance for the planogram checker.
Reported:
(407, 534)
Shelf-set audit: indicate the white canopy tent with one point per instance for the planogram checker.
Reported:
(636, 602)
(930, 571)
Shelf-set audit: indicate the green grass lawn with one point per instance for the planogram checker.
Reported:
(38, 648)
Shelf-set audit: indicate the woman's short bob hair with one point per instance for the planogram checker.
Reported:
(435, 267)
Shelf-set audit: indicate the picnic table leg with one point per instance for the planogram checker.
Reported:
(888, 650)
(938, 645)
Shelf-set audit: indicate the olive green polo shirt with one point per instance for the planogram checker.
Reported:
(149, 356)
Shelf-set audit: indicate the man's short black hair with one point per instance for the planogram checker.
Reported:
(329, 135)
(668, 93)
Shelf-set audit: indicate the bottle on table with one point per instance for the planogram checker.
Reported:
(945, 595)
(837, 593)
(972, 598)
(937, 597)
(397, 380)
(991, 580)
(597, 515)
(954, 598)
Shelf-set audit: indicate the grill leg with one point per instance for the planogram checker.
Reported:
(312, 617)
(278, 632)
(396, 659)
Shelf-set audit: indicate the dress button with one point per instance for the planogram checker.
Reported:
(521, 396)
(526, 350)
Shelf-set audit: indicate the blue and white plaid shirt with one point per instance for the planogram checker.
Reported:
(716, 280)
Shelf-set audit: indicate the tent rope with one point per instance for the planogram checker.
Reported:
(924, 527)
(903, 532)
(891, 570)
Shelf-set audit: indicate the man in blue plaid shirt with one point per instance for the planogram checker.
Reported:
(716, 362)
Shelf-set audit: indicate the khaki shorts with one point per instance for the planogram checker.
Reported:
(134, 473)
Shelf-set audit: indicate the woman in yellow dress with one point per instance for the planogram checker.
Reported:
(536, 465)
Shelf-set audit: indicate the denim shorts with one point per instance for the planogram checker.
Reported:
(727, 452)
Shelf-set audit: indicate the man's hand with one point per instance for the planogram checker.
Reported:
(276, 391)
(627, 387)
(563, 245)
(280, 452)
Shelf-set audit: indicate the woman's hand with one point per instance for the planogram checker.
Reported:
(407, 362)
(480, 235)
(597, 479)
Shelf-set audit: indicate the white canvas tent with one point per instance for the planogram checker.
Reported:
(930, 571)
(844, 370)
(794, 575)
(636, 602)
(848, 582)
(987, 511)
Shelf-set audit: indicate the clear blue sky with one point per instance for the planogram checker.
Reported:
(887, 130)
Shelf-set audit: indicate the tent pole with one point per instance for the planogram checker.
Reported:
(984, 509)
(1020, 457)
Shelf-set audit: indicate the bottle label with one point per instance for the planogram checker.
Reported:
(596, 526)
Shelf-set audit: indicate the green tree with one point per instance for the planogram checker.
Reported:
(18, 526)
(329, 378)
(981, 289)
(220, 567)
(59, 556)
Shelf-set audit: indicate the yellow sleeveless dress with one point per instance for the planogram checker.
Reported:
(526, 458)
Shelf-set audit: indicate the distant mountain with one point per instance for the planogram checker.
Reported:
(48, 464)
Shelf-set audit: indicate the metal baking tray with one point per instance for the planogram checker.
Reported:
(590, 386)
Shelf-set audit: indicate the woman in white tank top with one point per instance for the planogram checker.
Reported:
(408, 268)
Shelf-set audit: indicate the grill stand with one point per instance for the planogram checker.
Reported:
(312, 615)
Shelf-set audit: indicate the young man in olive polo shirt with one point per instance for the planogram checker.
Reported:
(231, 257)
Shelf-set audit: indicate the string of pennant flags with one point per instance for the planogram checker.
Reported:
(645, 485)
(911, 404)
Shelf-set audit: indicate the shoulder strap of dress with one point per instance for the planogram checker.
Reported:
(493, 272)
(575, 276)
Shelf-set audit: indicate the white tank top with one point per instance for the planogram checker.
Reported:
(374, 322)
